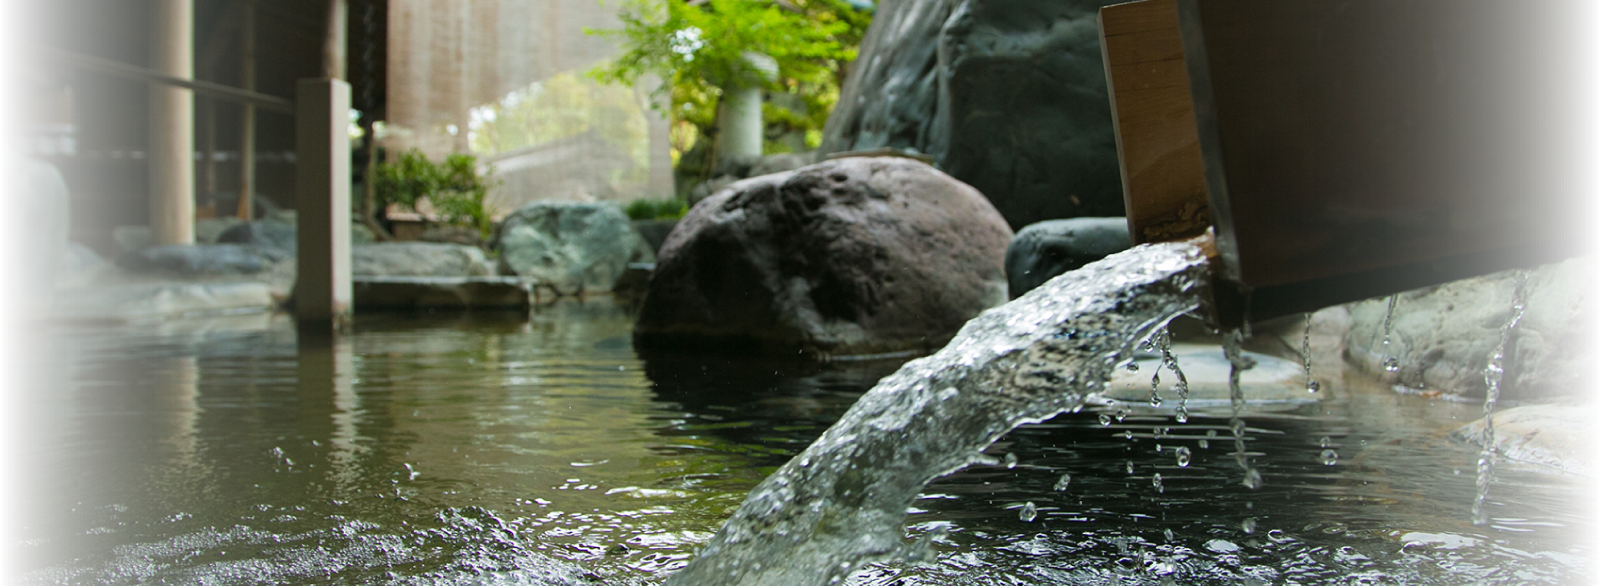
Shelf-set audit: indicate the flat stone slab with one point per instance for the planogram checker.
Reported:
(1548, 435)
(425, 293)
(1272, 381)
(155, 301)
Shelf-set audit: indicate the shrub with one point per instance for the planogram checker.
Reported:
(653, 209)
(455, 188)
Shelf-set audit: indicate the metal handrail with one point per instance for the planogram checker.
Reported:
(149, 76)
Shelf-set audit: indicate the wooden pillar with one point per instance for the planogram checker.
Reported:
(171, 133)
(333, 47)
(322, 290)
(247, 121)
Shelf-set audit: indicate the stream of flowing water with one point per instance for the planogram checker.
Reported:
(842, 502)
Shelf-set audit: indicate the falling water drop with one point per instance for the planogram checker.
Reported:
(1011, 460)
(1066, 479)
(1164, 342)
(1237, 426)
(1326, 442)
(1205, 444)
(1156, 482)
(1330, 457)
(1183, 457)
(1127, 434)
(1133, 366)
(1390, 363)
(1105, 420)
(1130, 466)
(1312, 385)
(1493, 373)
(1121, 414)
(1249, 525)
(1167, 533)
(1252, 479)
(1029, 512)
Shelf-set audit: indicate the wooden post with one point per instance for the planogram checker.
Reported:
(171, 120)
(322, 291)
(247, 122)
(333, 47)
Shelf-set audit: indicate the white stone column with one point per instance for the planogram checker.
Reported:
(170, 146)
(322, 291)
(742, 126)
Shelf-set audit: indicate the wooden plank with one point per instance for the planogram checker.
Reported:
(1163, 179)
(1366, 147)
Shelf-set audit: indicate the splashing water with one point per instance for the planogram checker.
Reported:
(1390, 363)
(1312, 385)
(1232, 343)
(1493, 373)
(1164, 343)
(842, 502)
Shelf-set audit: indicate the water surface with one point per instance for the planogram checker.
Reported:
(506, 448)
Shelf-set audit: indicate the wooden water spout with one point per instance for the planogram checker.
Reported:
(1346, 150)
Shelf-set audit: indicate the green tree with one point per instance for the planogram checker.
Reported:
(698, 48)
(455, 188)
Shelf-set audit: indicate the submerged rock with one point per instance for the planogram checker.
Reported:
(1551, 435)
(419, 259)
(1007, 95)
(849, 256)
(32, 232)
(1441, 336)
(572, 246)
(1046, 249)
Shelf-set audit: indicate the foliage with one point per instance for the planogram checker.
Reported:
(652, 209)
(455, 188)
(699, 48)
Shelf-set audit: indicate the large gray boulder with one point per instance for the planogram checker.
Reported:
(418, 259)
(1442, 336)
(849, 256)
(1046, 249)
(572, 246)
(34, 215)
(1007, 95)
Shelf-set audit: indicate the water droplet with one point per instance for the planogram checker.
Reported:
(1130, 466)
(1121, 415)
(1167, 533)
(1277, 536)
(1011, 460)
(1133, 366)
(1128, 434)
(1204, 445)
(1326, 442)
(1028, 513)
(1237, 425)
(1391, 365)
(1252, 479)
(1155, 400)
(1156, 481)
(1065, 480)
(1313, 386)
(1182, 416)
(1105, 420)
(1249, 525)
(1330, 457)
(1183, 457)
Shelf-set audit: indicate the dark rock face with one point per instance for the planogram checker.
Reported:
(1007, 95)
(32, 234)
(263, 233)
(849, 256)
(1442, 336)
(189, 260)
(1046, 249)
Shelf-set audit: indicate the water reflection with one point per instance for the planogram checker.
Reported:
(536, 448)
